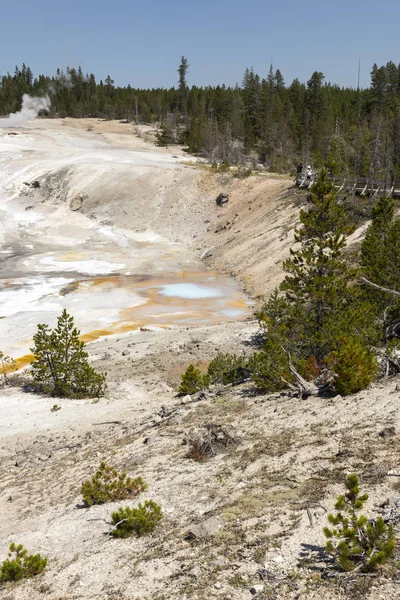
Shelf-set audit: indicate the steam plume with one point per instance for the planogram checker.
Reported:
(30, 109)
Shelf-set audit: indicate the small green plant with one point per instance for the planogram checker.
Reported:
(60, 366)
(193, 381)
(353, 366)
(224, 166)
(136, 521)
(269, 368)
(228, 368)
(107, 485)
(355, 541)
(243, 172)
(55, 408)
(6, 363)
(21, 565)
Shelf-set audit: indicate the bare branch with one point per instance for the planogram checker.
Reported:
(379, 287)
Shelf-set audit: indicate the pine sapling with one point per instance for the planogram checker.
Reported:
(356, 542)
(136, 521)
(6, 364)
(107, 485)
(193, 381)
(21, 565)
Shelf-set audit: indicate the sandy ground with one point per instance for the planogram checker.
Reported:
(291, 455)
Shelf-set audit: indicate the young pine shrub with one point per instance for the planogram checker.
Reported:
(21, 565)
(228, 368)
(356, 542)
(354, 367)
(7, 364)
(193, 381)
(136, 521)
(60, 365)
(269, 368)
(107, 485)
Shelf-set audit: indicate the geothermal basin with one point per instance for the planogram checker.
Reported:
(82, 220)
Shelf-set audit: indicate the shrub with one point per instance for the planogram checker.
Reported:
(107, 485)
(136, 521)
(224, 166)
(243, 173)
(353, 366)
(269, 368)
(21, 565)
(208, 441)
(228, 368)
(6, 364)
(193, 381)
(60, 366)
(357, 542)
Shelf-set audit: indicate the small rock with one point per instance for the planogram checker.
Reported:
(207, 253)
(205, 529)
(387, 432)
(222, 198)
(256, 589)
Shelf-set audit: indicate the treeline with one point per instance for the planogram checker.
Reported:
(349, 131)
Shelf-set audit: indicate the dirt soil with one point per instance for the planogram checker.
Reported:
(263, 499)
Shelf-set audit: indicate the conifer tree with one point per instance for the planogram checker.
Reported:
(60, 366)
(318, 282)
(321, 308)
(354, 541)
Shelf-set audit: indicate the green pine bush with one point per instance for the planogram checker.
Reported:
(355, 541)
(6, 364)
(354, 367)
(224, 166)
(136, 521)
(228, 368)
(21, 565)
(269, 368)
(107, 485)
(193, 381)
(60, 366)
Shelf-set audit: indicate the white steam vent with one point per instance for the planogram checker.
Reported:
(31, 106)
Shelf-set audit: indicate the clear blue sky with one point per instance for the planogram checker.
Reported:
(141, 43)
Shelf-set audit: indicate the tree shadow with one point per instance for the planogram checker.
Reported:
(316, 557)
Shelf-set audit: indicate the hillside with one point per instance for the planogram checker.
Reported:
(264, 498)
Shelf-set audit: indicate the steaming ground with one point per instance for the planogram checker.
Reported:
(61, 247)
(31, 107)
(291, 455)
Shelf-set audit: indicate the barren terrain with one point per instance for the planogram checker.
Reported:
(264, 499)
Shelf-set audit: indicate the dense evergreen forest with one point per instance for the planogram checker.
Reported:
(350, 131)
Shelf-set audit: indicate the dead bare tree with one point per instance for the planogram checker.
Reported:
(389, 359)
(304, 388)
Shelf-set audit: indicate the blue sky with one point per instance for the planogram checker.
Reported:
(141, 43)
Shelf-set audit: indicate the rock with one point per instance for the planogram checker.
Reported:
(388, 432)
(206, 529)
(222, 198)
(76, 203)
(33, 184)
(195, 572)
(202, 395)
(207, 253)
(256, 589)
(186, 399)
